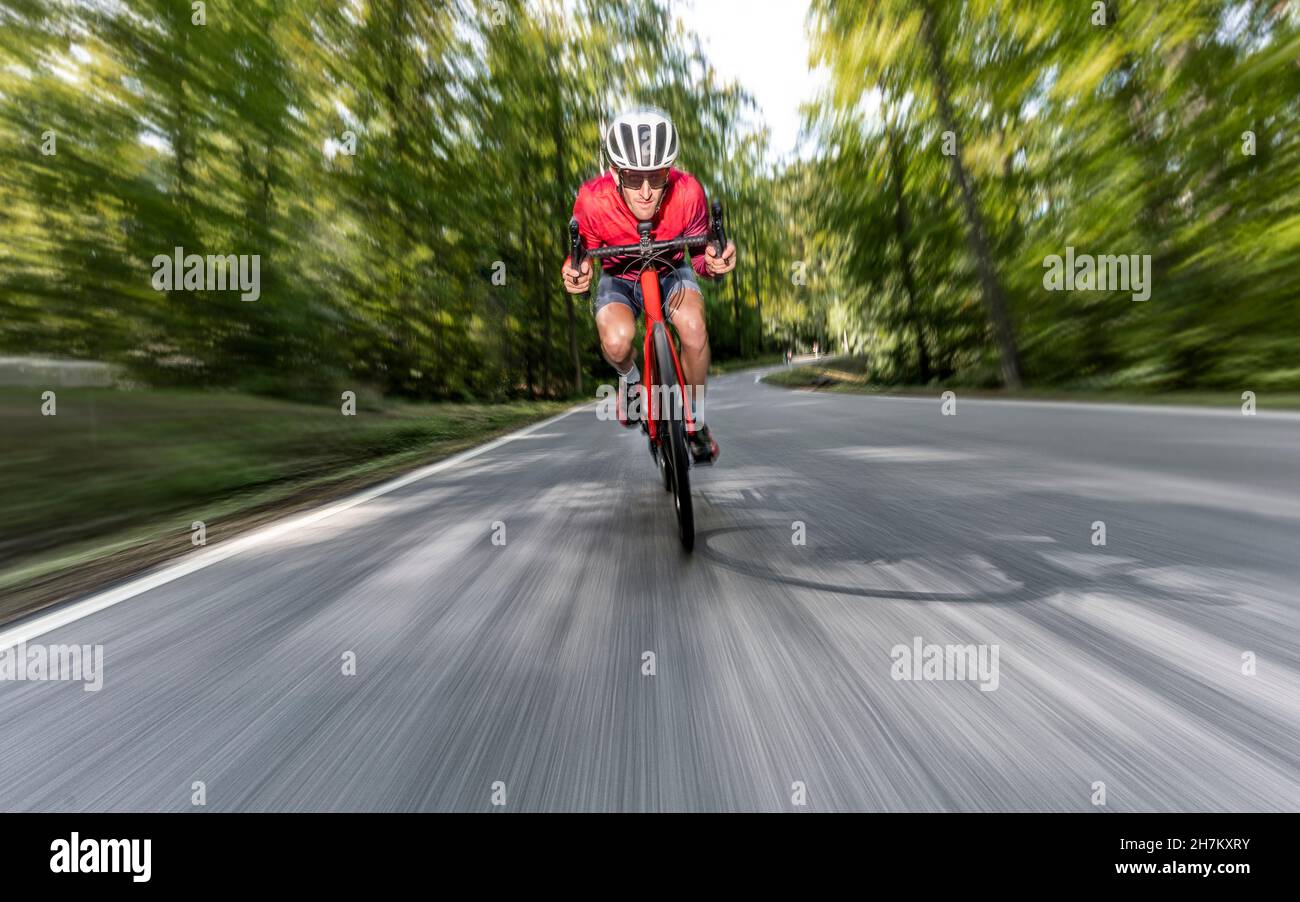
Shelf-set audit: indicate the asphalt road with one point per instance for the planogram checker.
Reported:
(775, 662)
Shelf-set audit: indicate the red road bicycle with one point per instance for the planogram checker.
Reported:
(669, 418)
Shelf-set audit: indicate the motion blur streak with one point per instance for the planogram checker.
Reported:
(522, 663)
(397, 175)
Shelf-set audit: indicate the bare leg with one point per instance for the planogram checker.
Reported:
(617, 328)
(688, 320)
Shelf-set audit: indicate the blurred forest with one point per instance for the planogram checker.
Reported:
(1114, 128)
(405, 170)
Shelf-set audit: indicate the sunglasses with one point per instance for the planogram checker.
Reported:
(634, 179)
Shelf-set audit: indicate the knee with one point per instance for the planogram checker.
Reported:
(617, 341)
(692, 331)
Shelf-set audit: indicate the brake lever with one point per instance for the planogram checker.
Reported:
(716, 229)
(577, 250)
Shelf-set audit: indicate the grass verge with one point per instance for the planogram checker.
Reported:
(112, 483)
(848, 375)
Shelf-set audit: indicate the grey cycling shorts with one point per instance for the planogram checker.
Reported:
(613, 290)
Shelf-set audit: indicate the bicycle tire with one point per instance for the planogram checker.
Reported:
(672, 421)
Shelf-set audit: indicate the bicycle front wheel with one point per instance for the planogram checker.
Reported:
(671, 419)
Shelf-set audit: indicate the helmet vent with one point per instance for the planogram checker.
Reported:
(645, 148)
(626, 139)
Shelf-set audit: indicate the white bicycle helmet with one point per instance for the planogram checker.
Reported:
(641, 139)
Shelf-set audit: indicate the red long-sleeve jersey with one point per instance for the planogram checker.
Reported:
(605, 220)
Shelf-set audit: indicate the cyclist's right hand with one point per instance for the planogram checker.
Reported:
(576, 281)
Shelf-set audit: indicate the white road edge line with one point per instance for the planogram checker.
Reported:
(76, 610)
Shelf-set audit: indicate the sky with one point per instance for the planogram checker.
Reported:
(763, 45)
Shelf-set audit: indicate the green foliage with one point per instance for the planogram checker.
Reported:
(475, 121)
(1116, 138)
(165, 458)
(425, 264)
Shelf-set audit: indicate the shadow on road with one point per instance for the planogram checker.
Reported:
(998, 575)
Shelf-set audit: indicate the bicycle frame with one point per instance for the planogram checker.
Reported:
(652, 300)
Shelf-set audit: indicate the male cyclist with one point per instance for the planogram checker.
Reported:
(641, 185)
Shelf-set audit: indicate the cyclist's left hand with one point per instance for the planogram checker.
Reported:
(725, 263)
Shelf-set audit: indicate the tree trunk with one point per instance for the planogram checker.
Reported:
(735, 314)
(902, 227)
(507, 353)
(528, 346)
(573, 347)
(557, 134)
(994, 301)
(544, 297)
